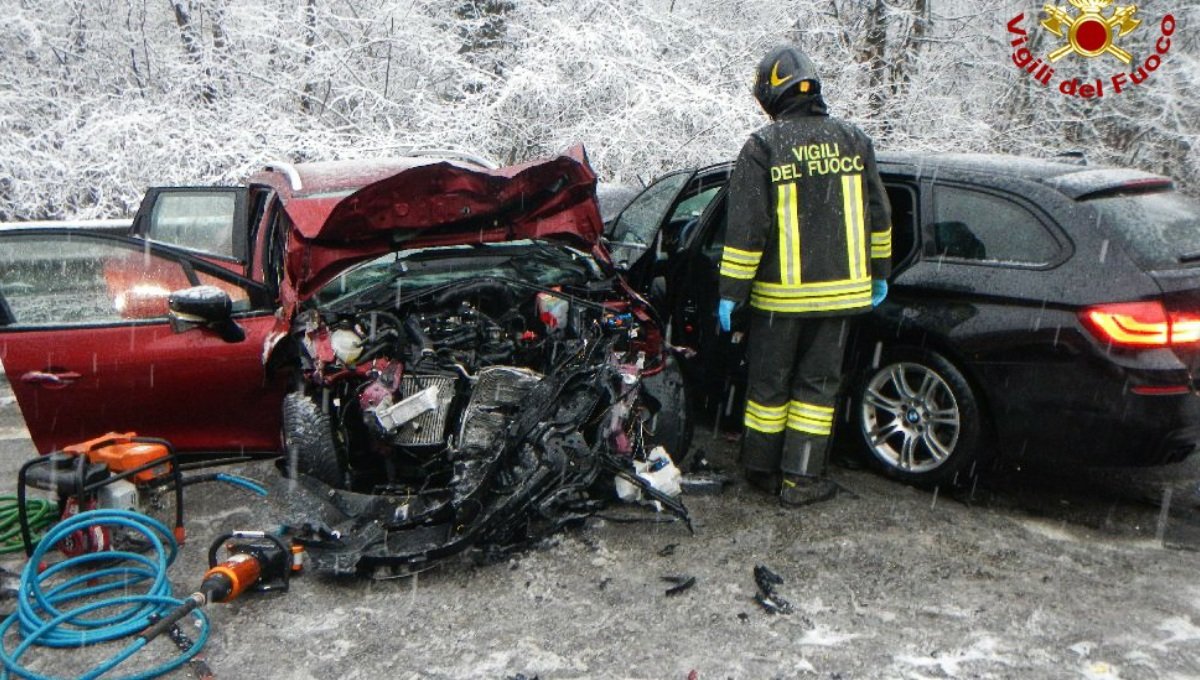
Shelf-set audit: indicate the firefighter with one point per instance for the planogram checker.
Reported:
(809, 245)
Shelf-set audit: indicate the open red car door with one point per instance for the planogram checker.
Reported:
(88, 348)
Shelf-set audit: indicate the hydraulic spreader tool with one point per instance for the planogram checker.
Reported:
(255, 561)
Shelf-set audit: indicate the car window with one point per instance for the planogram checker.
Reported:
(713, 242)
(613, 198)
(973, 225)
(1160, 229)
(640, 220)
(692, 206)
(686, 216)
(903, 201)
(196, 220)
(57, 281)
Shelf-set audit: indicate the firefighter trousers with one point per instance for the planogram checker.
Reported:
(795, 370)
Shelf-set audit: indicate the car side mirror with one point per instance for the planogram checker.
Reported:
(204, 306)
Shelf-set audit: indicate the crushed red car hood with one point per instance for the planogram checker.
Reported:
(438, 204)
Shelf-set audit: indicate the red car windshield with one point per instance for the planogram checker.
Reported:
(537, 263)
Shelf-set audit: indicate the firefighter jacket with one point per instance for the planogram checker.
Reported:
(809, 223)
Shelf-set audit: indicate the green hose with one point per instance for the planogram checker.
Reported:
(42, 513)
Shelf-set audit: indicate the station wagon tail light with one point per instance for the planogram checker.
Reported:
(1142, 324)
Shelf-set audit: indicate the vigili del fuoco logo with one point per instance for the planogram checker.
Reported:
(1089, 29)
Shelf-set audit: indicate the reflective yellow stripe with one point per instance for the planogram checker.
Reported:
(827, 296)
(787, 217)
(881, 244)
(739, 264)
(737, 271)
(810, 418)
(817, 289)
(767, 419)
(809, 427)
(796, 234)
(747, 257)
(767, 412)
(765, 426)
(812, 304)
(852, 205)
(812, 411)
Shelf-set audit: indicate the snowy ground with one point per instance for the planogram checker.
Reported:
(1041, 576)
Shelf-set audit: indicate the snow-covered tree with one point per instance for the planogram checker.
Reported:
(100, 99)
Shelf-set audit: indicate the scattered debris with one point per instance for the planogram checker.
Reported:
(682, 582)
(10, 584)
(668, 550)
(658, 471)
(704, 483)
(842, 489)
(766, 595)
(700, 477)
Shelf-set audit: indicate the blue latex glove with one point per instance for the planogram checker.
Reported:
(878, 291)
(724, 311)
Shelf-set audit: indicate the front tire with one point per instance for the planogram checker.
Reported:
(673, 422)
(920, 419)
(308, 440)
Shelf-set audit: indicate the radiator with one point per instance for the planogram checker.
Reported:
(429, 427)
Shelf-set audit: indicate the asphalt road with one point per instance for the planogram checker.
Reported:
(1042, 574)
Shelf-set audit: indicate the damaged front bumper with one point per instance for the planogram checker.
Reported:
(540, 476)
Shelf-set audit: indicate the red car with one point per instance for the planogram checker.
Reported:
(446, 336)
(85, 335)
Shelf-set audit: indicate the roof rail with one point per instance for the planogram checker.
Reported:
(1076, 156)
(452, 154)
(288, 169)
(112, 223)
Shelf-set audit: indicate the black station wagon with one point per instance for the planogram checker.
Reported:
(1038, 309)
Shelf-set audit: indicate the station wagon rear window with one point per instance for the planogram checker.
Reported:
(1160, 229)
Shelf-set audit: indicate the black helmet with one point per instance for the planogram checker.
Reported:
(785, 72)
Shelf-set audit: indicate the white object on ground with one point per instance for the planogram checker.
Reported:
(659, 471)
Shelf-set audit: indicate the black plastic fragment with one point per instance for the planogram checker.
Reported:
(682, 582)
(766, 597)
(704, 483)
(668, 550)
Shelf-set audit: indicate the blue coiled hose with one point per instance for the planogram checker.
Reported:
(45, 621)
(237, 480)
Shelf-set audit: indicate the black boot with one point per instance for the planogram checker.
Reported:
(798, 490)
(767, 482)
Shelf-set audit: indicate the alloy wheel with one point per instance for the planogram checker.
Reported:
(910, 417)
